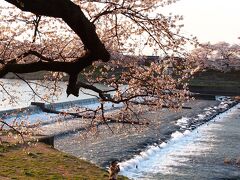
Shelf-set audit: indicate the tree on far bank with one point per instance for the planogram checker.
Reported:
(221, 56)
(104, 42)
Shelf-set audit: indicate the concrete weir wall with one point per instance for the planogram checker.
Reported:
(68, 104)
(34, 107)
(49, 140)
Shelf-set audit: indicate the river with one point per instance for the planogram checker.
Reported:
(212, 151)
(22, 95)
(163, 150)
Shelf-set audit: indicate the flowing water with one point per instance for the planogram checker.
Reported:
(212, 151)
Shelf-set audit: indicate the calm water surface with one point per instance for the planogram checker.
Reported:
(21, 95)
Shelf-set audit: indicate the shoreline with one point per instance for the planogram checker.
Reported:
(40, 161)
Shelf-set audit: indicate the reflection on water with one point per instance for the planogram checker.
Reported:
(19, 94)
(196, 155)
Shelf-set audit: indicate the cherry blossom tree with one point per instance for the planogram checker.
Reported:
(220, 56)
(104, 41)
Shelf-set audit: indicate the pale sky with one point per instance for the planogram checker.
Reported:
(210, 20)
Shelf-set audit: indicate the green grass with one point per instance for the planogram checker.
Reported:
(219, 83)
(217, 79)
(43, 162)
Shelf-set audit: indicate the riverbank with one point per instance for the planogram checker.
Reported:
(40, 161)
(220, 83)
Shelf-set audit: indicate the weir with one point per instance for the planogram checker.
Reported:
(36, 107)
(129, 141)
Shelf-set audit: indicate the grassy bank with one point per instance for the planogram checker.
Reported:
(43, 162)
(216, 78)
(216, 82)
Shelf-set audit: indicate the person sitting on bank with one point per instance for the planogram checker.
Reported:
(113, 170)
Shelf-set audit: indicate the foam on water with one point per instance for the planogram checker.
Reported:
(155, 159)
(176, 135)
(182, 121)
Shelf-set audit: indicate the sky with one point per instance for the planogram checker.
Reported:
(210, 20)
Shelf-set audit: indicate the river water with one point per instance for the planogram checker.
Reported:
(20, 95)
(212, 151)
